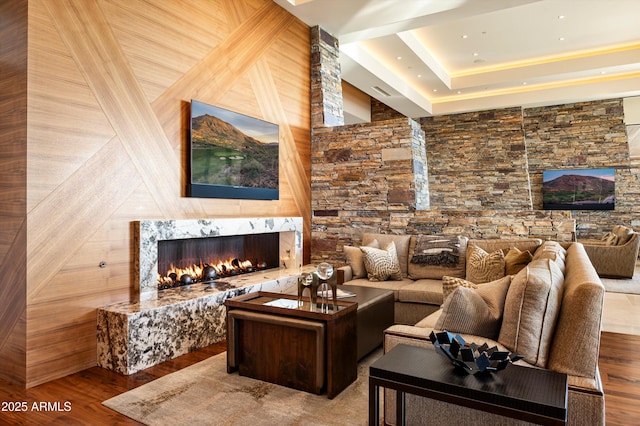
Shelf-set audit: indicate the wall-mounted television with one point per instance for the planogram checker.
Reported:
(578, 189)
(232, 155)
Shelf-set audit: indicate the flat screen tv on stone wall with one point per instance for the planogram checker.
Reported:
(578, 189)
(232, 155)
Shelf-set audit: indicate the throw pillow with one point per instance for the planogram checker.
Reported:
(554, 251)
(483, 267)
(432, 256)
(355, 259)
(516, 260)
(610, 239)
(623, 234)
(449, 284)
(475, 311)
(531, 310)
(401, 242)
(382, 264)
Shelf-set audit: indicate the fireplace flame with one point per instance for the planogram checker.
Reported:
(202, 272)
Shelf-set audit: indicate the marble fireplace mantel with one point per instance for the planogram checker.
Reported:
(149, 232)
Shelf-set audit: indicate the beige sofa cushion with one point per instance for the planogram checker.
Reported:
(483, 267)
(434, 256)
(401, 242)
(355, 259)
(393, 286)
(475, 311)
(382, 264)
(531, 310)
(421, 291)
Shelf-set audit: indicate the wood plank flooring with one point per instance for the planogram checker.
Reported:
(85, 391)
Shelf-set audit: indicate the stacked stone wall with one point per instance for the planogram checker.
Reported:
(584, 135)
(362, 167)
(327, 106)
(484, 175)
(382, 112)
(477, 174)
(478, 160)
(332, 233)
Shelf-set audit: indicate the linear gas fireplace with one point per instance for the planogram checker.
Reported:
(206, 260)
(174, 253)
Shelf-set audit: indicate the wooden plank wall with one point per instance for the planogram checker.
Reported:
(13, 189)
(109, 88)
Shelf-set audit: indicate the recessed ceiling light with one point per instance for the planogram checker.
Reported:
(475, 53)
(465, 36)
(459, 92)
(560, 16)
(603, 72)
(419, 75)
(435, 90)
(524, 83)
(561, 38)
(399, 58)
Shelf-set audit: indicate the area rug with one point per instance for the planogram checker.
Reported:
(205, 394)
(625, 285)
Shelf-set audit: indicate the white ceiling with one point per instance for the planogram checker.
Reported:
(437, 57)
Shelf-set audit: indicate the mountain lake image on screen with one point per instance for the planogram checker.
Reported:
(232, 155)
(578, 189)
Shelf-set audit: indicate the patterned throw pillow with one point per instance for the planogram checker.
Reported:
(483, 267)
(382, 264)
(355, 259)
(449, 284)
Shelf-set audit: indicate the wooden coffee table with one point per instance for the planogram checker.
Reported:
(530, 394)
(292, 346)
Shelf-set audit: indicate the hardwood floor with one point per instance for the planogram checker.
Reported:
(619, 364)
(85, 391)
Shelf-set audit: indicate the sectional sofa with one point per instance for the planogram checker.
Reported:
(542, 300)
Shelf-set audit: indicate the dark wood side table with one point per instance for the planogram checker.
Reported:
(530, 394)
(292, 346)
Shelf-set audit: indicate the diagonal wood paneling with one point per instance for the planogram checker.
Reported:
(272, 109)
(133, 66)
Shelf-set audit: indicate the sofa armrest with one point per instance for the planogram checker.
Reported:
(344, 274)
(406, 334)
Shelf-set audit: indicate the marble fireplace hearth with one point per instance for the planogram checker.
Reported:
(161, 325)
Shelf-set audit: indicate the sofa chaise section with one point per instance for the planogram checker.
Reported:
(572, 347)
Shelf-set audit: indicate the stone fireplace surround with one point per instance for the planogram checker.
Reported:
(161, 325)
(149, 232)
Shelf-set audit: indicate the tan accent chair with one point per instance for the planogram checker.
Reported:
(613, 261)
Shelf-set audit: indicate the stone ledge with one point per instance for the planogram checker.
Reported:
(135, 336)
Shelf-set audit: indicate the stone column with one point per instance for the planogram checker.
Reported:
(327, 108)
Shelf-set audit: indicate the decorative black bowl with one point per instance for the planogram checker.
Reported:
(471, 357)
